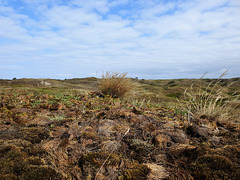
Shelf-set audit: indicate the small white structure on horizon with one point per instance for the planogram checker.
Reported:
(45, 83)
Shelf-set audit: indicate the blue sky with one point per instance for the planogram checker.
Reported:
(149, 39)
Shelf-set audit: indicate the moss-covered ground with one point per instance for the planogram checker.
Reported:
(66, 131)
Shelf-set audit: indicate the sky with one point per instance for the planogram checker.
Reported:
(148, 39)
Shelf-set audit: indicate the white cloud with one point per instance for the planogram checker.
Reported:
(37, 2)
(11, 24)
(66, 17)
(147, 38)
(90, 5)
(115, 3)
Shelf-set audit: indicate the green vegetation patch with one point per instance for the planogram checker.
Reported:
(174, 95)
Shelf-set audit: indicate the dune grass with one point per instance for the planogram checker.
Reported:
(116, 85)
(209, 102)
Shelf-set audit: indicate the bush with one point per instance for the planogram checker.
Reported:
(115, 84)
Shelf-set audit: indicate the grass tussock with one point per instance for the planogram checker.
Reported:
(209, 102)
(116, 85)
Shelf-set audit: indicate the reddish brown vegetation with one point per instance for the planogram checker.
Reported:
(71, 136)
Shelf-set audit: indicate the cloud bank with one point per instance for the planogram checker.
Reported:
(146, 38)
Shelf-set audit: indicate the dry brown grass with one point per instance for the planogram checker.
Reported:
(210, 102)
(116, 85)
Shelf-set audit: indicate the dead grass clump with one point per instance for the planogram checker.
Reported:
(15, 162)
(139, 171)
(210, 102)
(214, 167)
(115, 84)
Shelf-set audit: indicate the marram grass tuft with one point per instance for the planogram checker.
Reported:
(210, 102)
(116, 85)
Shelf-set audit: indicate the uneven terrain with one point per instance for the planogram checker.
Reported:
(65, 129)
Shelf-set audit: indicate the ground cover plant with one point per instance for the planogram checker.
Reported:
(67, 130)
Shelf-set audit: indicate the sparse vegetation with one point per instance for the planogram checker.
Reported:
(66, 131)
